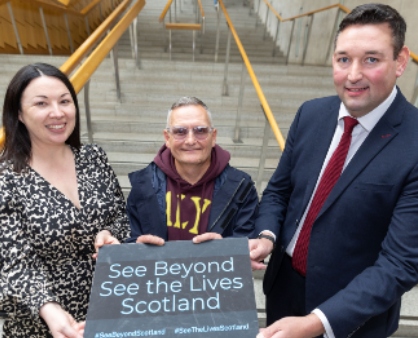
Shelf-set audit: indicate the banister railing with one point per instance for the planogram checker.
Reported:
(341, 8)
(68, 66)
(80, 78)
(54, 33)
(89, 66)
(82, 75)
(198, 25)
(310, 15)
(166, 8)
(270, 120)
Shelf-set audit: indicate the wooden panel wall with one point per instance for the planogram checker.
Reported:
(30, 27)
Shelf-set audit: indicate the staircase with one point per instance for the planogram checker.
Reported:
(131, 131)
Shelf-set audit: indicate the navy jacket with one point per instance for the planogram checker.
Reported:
(363, 250)
(233, 211)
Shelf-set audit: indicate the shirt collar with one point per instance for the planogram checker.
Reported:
(369, 120)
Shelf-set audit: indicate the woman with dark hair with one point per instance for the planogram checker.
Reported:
(60, 201)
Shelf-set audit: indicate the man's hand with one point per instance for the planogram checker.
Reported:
(103, 237)
(150, 239)
(61, 323)
(207, 236)
(294, 327)
(259, 250)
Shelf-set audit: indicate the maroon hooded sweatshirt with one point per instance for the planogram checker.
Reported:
(188, 205)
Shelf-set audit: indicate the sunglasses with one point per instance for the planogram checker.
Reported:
(199, 133)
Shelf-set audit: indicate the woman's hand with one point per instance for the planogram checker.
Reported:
(103, 237)
(61, 323)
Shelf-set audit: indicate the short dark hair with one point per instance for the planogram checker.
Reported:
(17, 146)
(374, 13)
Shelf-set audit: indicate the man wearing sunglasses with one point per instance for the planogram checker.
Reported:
(189, 191)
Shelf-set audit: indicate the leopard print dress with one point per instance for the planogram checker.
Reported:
(46, 243)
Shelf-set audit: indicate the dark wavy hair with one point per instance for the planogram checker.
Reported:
(374, 13)
(17, 146)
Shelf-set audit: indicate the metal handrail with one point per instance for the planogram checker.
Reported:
(199, 25)
(165, 10)
(263, 101)
(309, 14)
(58, 8)
(341, 7)
(82, 76)
(86, 70)
(414, 56)
(68, 66)
(202, 15)
(270, 120)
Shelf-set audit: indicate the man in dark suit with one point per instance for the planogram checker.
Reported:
(341, 209)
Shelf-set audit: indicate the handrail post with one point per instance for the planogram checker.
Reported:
(415, 94)
(114, 53)
(16, 31)
(290, 41)
(86, 20)
(48, 41)
(263, 156)
(131, 40)
(331, 40)
(169, 42)
(228, 47)
(265, 23)
(202, 34)
(237, 130)
(134, 26)
(87, 108)
(258, 13)
(194, 41)
(276, 37)
(299, 28)
(305, 48)
(70, 39)
(175, 10)
(217, 34)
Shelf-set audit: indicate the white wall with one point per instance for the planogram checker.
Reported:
(323, 29)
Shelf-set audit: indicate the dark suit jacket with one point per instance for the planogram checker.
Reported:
(363, 251)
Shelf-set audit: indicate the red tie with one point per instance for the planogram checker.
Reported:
(329, 178)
